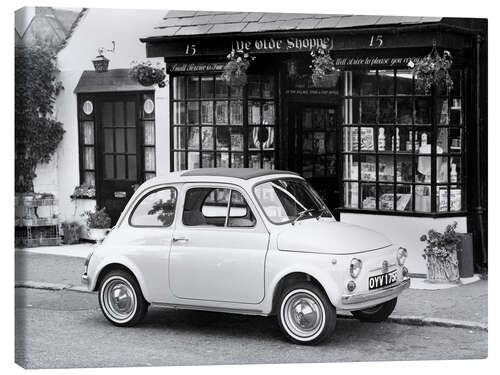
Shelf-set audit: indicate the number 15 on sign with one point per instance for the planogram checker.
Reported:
(376, 41)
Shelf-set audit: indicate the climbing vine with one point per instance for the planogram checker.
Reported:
(37, 133)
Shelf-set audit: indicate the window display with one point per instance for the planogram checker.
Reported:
(396, 157)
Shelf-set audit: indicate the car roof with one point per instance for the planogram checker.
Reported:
(241, 173)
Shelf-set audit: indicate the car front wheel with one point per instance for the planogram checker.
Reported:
(306, 315)
(377, 313)
(121, 299)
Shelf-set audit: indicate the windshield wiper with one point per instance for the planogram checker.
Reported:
(321, 211)
(301, 214)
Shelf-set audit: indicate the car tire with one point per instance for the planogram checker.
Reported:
(376, 314)
(121, 299)
(305, 314)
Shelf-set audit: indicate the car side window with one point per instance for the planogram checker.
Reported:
(210, 206)
(156, 209)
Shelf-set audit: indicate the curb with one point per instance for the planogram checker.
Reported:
(411, 320)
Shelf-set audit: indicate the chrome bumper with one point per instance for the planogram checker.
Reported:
(85, 279)
(351, 299)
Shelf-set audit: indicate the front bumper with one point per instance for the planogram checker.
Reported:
(382, 294)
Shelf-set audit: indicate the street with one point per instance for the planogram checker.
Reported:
(61, 329)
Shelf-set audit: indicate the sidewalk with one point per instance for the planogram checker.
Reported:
(60, 267)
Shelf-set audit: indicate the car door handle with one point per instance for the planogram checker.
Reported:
(180, 239)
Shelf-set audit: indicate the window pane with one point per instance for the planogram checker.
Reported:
(180, 137)
(120, 167)
(351, 166)
(422, 198)
(254, 160)
(404, 168)
(236, 138)
(403, 198)
(193, 87)
(368, 112)
(351, 194)
(442, 110)
(207, 160)
(130, 113)
(156, 209)
(456, 112)
(221, 89)
(268, 87)
(386, 82)
(253, 86)
(387, 115)
(205, 206)
(367, 139)
(149, 159)
(109, 168)
(368, 170)
(222, 160)
(179, 113)
(236, 160)
(120, 140)
(179, 87)
(207, 87)
(193, 138)
(223, 138)
(88, 132)
(455, 199)
(404, 82)
(193, 113)
(207, 113)
(89, 179)
(442, 169)
(107, 113)
(236, 109)
(119, 114)
(386, 197)
(386, 168)
(254, 136)
(268, 160)
(221, 117)
(236, 92)
(404, 111)
(207, 138)
(149, 133)
(423, 111)
(88, 159)
(350, 139)
(132, 167)
(253, 113)
(364, 83)
(240, 214)
(179, 161)
(368, 196)
(456, 170)
(268, 113)
(193, 160)
(108, 140)
(331, 142)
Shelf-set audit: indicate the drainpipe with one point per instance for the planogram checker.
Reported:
(479, 209)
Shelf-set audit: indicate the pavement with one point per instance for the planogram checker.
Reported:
(459, 305)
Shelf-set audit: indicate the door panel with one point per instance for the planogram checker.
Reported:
(118, 152)
(223, 264)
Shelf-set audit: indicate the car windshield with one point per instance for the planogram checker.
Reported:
(288, 200)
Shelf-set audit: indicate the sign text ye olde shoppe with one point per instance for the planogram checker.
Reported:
(283, 44)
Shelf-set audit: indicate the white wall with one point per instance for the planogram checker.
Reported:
(406, 231)
(97, 29)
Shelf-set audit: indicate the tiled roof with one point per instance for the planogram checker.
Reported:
(112, 80)
(179, 22)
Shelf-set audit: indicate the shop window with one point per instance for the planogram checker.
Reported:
(403, 149)
(219, 126)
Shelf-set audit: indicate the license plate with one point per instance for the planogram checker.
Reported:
(380, 281)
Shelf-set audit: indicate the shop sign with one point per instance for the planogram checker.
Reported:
(290, 44)
(196, 67)
(375, 61)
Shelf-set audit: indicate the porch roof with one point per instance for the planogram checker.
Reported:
(114, 80)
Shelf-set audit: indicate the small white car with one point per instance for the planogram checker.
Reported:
(244, 241)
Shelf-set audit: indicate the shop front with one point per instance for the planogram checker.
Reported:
(382, 152)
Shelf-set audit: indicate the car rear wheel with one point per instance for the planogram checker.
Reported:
(377, 313)
(121, 299)
(306, 315)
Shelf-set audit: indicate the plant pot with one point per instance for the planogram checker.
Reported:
(101, 64)
(327, 80)
(98, 234)
(440, 269)
(146, 81)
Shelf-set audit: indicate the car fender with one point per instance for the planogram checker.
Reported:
(123, 261)
(323, 276)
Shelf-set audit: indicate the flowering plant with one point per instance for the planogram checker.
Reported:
(83, 191)
(442, 245)
(322, 66)
(433, 69)
(148, 74)
(235, 71)
(99, 219)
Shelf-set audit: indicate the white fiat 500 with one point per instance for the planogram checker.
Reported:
(245, 241)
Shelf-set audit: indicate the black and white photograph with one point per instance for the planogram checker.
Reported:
(229, 187)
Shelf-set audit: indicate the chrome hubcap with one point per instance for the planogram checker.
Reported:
(119, 299)
(303, 314)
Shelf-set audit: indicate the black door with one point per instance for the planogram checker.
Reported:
(316, 146)
(118, 153)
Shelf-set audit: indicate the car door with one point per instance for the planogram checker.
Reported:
(219, 246)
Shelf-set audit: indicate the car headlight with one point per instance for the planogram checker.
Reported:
(355, 267)
(402, 255)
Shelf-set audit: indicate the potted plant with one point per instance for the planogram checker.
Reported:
(148, 74)
(235, 70)
(441, 254)
(324, 72)
(432, 70)
(83, 191)
(98, 223)
(71, 232)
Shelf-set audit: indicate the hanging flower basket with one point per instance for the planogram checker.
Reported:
(235, 71)
(432, 70)
(148, 74)
(441, 254)
(324, 72)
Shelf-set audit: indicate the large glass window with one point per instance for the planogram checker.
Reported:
(402, 147)
(210, 128)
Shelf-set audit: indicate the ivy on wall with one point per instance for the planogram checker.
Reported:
(37, 133)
